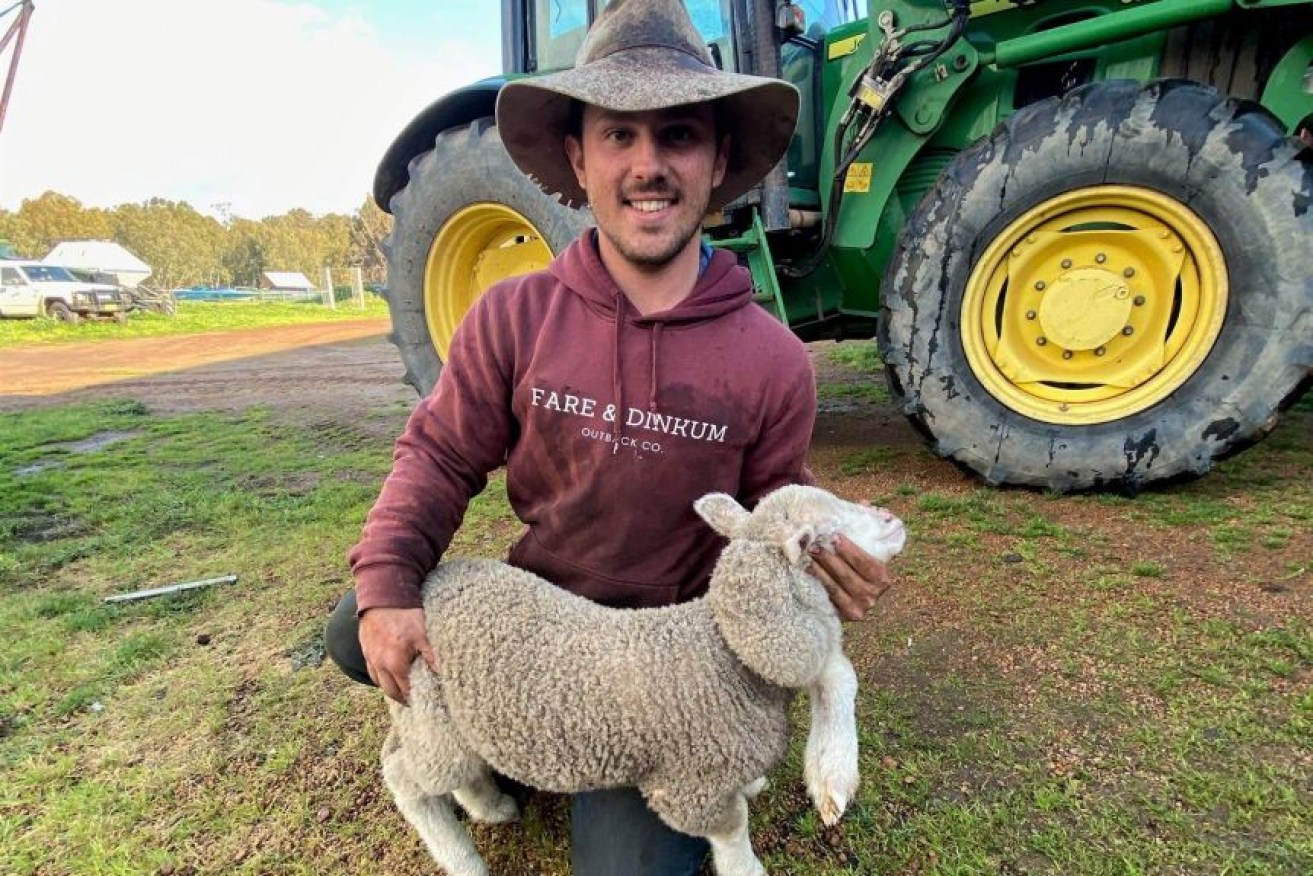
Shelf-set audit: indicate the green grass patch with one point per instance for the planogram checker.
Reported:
(193, 317)
(873, 391)
(1057, 685)
(861, 356)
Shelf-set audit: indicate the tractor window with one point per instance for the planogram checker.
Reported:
(712, 19)
(823, 15)
(558, 31)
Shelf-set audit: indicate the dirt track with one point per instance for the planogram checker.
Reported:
(337, 372)
(345, 366)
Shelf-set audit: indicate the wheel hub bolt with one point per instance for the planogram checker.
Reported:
(1128, 273)
(1139, 300)
(1129, 330)
(1100, 258)
(1040, 285)
(1041, 340)
(1030, 314)
(1066, 263)
(1099, 351)
(1066, 354)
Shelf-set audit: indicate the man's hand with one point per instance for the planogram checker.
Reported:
(390, 639)
(854, 579)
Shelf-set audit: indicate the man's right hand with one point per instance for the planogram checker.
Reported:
(390, 639)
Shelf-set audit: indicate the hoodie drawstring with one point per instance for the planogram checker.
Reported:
(616, 388)
(656, 342)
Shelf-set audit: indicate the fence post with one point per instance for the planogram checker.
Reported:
(328, 288)
(358, 287)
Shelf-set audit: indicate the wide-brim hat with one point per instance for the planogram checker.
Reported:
(642, 55)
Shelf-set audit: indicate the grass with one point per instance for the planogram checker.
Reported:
(1060, 685)
(867, 386)
(193, 317)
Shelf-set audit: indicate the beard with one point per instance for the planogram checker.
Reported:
(651, 251)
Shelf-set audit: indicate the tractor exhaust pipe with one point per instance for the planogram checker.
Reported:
(765, 50)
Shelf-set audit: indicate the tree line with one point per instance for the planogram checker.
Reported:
(187, 248)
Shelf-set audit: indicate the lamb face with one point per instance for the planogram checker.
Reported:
(798, 517)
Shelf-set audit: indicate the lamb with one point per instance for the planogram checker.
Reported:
(687, 703)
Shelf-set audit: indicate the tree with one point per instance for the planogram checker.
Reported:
(42, 222)
(369, 228)
(185, 248)
(182, 246)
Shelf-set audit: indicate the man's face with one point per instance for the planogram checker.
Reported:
(649, 177)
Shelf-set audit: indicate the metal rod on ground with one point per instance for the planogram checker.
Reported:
(171, 588)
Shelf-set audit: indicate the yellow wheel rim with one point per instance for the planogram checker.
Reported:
(1095, 305)
(476, 247)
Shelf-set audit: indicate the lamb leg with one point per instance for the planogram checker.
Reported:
(485, 802)
(432, 815)
(830, 763)
(731, 847)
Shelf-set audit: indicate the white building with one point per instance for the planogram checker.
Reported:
(111, 262)
(287, 281)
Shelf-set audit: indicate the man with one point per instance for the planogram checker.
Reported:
(626, 380)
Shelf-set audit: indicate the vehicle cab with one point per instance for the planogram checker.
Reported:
(31, 289)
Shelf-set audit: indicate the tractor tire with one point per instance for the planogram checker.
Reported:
(1114, 289)
(1235, 52)
(62, 312)
(467, 219)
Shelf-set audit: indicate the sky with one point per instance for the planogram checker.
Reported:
(239, 107)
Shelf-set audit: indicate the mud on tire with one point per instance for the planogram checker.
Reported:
(1230, 164)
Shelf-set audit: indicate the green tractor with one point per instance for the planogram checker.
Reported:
(1081, 230)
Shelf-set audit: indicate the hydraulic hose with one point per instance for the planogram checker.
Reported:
(872, 96)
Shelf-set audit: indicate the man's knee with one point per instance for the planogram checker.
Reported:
(342, 640)
(613, 831)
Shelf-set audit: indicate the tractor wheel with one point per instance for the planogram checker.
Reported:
(466, 219)
(62, 312)
(1112, 290)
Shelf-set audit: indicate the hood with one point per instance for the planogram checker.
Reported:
(723, 287)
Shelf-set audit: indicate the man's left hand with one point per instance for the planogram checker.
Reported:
(854, 579)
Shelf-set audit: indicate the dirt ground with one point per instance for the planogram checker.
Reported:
(320, 376)
(311, 373)
(318, 371)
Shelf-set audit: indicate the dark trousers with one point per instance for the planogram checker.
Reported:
(612, 832)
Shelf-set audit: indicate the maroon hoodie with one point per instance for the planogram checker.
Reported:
(608, 427)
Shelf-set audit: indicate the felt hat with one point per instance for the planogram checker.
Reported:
(644, 55)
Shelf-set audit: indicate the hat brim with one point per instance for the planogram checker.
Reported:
(759, 114)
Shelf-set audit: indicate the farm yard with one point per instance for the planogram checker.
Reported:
(1085, 684)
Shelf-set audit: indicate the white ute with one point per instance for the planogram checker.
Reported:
(30, 289)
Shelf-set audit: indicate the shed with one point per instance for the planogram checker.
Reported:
(287, 281)
(105, 260)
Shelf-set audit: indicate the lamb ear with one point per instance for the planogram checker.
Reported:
(723, 512)
(799, 542)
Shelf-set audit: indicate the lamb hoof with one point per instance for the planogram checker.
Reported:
(502, 811)
(755, 787)
(831, 807)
